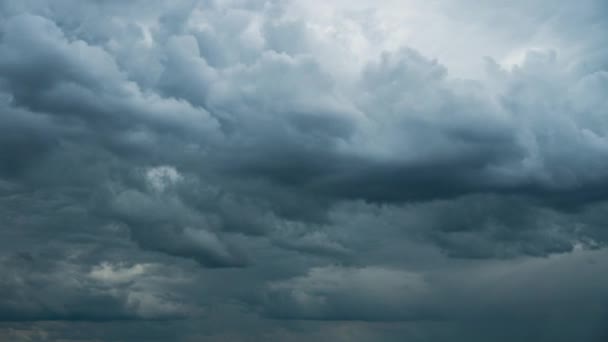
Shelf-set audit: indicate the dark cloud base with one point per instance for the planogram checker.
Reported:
(286, 171)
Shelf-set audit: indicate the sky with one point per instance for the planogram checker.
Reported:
(284, 170)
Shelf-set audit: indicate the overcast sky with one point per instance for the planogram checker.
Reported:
(286, 170)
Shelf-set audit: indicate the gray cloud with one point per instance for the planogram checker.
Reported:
(286, 171)
(38, 289)
(559, 286)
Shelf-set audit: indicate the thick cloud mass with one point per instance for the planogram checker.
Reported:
(243, 170)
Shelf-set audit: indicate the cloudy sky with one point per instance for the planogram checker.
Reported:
(286, 170)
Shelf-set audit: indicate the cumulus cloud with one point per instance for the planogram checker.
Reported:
(281, 170)
(45, 290)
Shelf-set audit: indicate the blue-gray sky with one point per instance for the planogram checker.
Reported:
(282, 170)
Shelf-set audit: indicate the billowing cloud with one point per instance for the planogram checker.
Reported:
(287, 171)
(44, 290)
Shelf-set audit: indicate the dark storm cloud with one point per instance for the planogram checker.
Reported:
(542, 293)
(394, 128)
(25, 137)
(38, 289)
(236, 169)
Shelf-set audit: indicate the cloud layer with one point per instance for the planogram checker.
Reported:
(285, 171)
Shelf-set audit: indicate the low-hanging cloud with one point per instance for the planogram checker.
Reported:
(280, 170)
